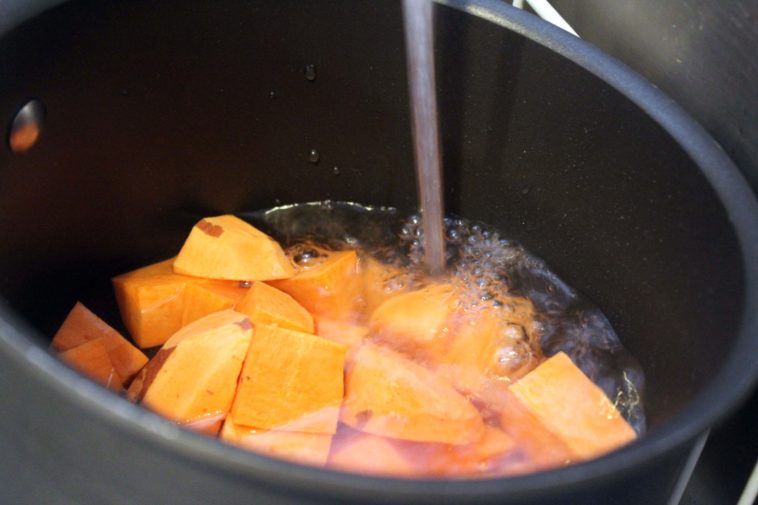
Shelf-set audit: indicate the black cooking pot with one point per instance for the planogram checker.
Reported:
(158, 113)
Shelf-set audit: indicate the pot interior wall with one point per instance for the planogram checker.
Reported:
(161, 112)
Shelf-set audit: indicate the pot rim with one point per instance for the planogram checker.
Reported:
(731, 385)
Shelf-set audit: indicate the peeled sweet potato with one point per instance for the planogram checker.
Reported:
(265, 304)
(82, 326)
(439, 326)
(307, 448)
(573, 408)
(359, 451)
(155, 302)
(417, 322)
(92, 359)
(195, 373)
(291, 381)
(380, 282)
(536, 447)
(388, 394)
(330, 289)
(226, 247)
(347, 333)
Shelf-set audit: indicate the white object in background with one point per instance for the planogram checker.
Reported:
(689, 467)
(751, 489)
(546, 12)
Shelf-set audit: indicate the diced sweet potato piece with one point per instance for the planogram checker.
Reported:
(416, 323)
(226, 247)
(155, 302)
(437, 325)
(195, 373)
(330, 289)
(360, 452)
(265, 304)
(82, 326)
(484, 339)
(291, 381)
(349, 334)
(380, 282)
(572, 407)
(390, 395)
(92, 359)
(306, 448)
(537, 448)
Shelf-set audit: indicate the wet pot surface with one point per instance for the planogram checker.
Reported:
(158, 114)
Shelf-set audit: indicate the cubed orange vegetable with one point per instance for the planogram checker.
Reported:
(291, 381)
(347, 333)
(308, 448)
(417, 322)
(387, 394)
(360, 452)
(539, 449)
(572, 407)
(330, 289)
(82, 326)
(439, 326)
(380, 282)
(265, 304)
(92, 359)
(155, 302)
(228, 248)
(484, 339)
(195, 372)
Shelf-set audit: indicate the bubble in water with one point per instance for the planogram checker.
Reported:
(245, 284)
(314, 156)
(336, 170)
(310, 72)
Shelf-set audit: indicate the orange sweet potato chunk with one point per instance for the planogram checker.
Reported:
(265, 304)
(195, 372)
(573, 408)
(92, 359)
(380, 282)
(291, 381)
(387, 394)
(155, 302)
(347, 333)
(81, 326)
(226, 247)
(537, 448)
(360, 452)
(416, 322)
(307, 448)
(330, 289)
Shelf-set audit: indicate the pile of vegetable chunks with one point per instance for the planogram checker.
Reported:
(320, 365)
